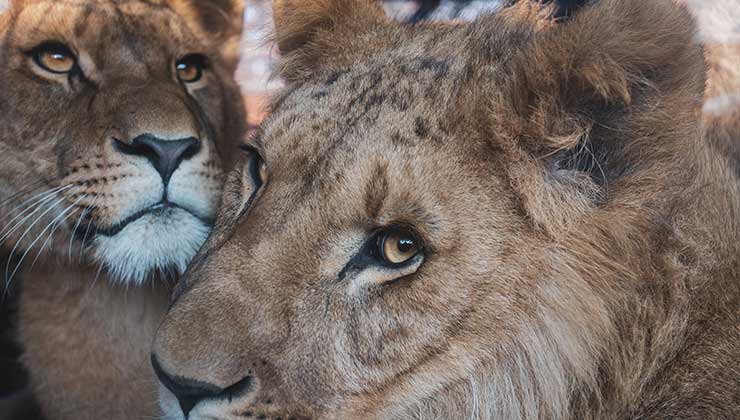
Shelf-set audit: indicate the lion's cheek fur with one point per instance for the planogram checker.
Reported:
(540, 346)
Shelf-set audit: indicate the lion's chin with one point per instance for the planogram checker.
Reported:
(158, 242)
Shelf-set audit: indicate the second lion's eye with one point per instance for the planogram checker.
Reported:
(254, 177)
(256, 166)
(54, 57)
(190, 68)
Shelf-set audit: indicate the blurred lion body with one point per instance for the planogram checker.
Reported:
(581, 238)
(98, 230)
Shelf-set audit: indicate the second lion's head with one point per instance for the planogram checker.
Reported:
(116, 121)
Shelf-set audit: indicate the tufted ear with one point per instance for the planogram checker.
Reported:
(309, 31)
(596, 97)
(219, 22)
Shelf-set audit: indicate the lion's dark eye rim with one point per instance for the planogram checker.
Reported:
(256, 170)
(255, 166)
(255, 162)
(54, 57)
(373, 252)
(191, 67)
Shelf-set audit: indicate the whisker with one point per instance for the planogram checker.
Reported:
(49, 238)
(25, 189)
(53, 230)
(48, 196)
(77, 225)
(31, 210)
(72, 234)
(40, 196)
(97, 276)
(28, 229)
(41, 235)
(87, 231)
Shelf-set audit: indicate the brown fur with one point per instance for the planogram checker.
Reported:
(581, 239)
(87, 335)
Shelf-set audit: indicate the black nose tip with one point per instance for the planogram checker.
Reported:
(187, 391)
(165, 155)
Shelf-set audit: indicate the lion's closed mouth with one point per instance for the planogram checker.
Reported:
(159, 208)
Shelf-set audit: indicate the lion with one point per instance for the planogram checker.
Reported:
(515, 218)
(117, 121)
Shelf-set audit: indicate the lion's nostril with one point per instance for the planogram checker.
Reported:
(189, 392)
(165, 155)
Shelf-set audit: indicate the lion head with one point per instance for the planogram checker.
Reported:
(116, 123)
(512, 218)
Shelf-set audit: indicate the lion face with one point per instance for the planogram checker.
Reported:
(116, 119)
(414, 232)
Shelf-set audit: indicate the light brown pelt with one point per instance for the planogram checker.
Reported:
(580, 235)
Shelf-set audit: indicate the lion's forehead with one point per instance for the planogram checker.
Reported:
(133, 25)
(370, 132)
(390, 102)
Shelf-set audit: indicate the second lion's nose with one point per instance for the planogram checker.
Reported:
(165, 155)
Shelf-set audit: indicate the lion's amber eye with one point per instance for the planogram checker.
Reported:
(54, 57)
(398, 246)
(190, 68)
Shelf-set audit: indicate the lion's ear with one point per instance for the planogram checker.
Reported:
(218, 22)
(308, 31)
(596, 96)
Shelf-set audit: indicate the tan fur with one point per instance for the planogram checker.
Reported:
(86, 334)
(581, 237)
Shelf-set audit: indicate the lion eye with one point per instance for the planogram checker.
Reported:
(397, 246)
(256, 166)
(190, 68)
(54, 57)
(254, 176)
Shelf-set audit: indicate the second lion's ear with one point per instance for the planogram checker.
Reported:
(307, 31)
(219, 22)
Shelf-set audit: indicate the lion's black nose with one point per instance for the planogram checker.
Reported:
(165, 155)
(189, 392)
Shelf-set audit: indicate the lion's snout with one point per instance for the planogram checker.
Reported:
(189, 392)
